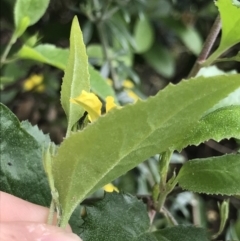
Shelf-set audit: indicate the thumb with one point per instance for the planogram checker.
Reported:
(27, 231)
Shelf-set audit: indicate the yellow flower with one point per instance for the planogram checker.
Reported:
(110, 103)
(132, 95)
(90, 103)
(110, 188)
(127, 84)
(93, 106)
(35, 81)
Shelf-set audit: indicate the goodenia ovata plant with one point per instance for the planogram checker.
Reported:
(123, 138)
(194, 111)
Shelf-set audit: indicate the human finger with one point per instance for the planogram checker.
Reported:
(29, 231)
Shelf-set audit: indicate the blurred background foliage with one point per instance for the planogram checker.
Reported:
(138, 46)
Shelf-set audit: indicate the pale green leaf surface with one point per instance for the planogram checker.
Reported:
(161, 60)
(57, 57)
(21, 157)
(37, 134)
(215, 175)
(45, 53)
(231, 99)
(33, 9)
(143, 35)
(181, 233)
(219, 124)
(116, 217)
(76, 77)
(191, 38)
(99, 85)
(123, 138)
(236, 3)
(230, 20)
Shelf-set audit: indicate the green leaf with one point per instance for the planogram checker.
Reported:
(230, 19)
(219, 124)
(32, 10)
(143, 35)
(45, 53)
(125, 137)
(188, 34)
(181, 233)
(21, 157)
(107, 219)
(234, 58)
(215, 175)
(95, 54)
(161, 60)
(37, 134)
(57, 57)
(99, 85)
(76, 77)
(191, 38)
(21, 28)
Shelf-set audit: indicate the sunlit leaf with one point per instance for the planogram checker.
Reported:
(45, 53)
(230, 20)
(76, 77)
(57, 57)
(32, 10)
(120, 140)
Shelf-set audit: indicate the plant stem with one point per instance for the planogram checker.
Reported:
(164, 187)
(211, 38)
(8, 48)
(51, 213)
(163, 166)
(103, 39)
(169, 216)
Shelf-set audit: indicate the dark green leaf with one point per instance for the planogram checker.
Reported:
(117, 217)
(215, 175)
(181, 233)
(22, 171)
